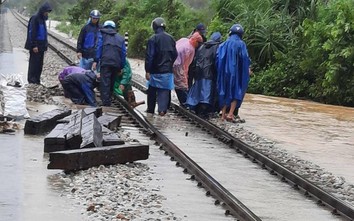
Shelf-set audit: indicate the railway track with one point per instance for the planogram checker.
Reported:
(211, 138)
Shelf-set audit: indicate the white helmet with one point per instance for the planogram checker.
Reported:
(109, 23)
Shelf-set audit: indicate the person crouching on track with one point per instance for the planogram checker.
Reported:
(122, 86)
(79, 87)
(67, 71)
(111, 54)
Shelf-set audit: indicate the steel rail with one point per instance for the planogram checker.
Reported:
(233, 205)
(337, 206)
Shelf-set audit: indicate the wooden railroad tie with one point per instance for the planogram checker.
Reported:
(45, 122)
(84, 139)
(73, 160)
(83, 130)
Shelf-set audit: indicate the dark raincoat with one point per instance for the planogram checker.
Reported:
(37, 30)
(87, 40)
(233, 71)
(204, 87)
(79, 87)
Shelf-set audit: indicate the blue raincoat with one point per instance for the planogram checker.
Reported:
(233, 71)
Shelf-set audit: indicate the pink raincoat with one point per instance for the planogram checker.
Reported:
(186, 50)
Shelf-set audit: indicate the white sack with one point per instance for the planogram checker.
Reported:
(13, 99)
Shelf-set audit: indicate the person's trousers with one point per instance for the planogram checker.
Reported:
(182, 95)
(86, 63)
(191, 76)
(162, 97)
(35, 67)
(72, 91)
(107, 78)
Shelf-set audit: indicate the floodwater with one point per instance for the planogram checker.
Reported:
(14, 64)
(26, 190)
(322, 134)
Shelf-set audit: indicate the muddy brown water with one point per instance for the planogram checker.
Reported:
(322, 134)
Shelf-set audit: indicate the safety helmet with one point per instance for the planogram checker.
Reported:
(236, 29)
(95, 14)
(109, 23)
(158, 22)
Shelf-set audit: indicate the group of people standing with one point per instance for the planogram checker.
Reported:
(100, 50)
(208, 76)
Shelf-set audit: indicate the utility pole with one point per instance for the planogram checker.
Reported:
(1, 2)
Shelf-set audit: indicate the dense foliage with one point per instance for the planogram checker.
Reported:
(318, 63)
(135, 17)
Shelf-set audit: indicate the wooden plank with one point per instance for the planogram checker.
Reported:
(91, 132)
(72, 160)
(73, 136)
(45, 122)
(109, 121)
(67, 119)
(93, 110)
(55, 140)
(111, 138)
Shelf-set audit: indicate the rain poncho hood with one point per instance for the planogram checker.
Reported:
(216, 36)
(195, 39)
(185, 50)
(69, 70)
(44, 8)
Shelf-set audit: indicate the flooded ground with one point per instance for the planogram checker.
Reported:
(322, 134)
(26, 190)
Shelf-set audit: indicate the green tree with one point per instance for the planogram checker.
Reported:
(330, 38)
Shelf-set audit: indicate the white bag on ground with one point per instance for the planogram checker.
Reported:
(13, 97)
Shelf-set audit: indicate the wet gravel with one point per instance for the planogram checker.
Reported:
(122, 192)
